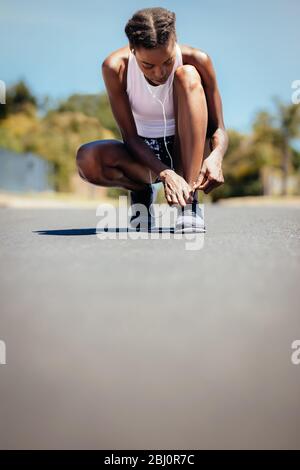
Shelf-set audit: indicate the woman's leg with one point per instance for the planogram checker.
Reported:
(108, 163)
(190, 108)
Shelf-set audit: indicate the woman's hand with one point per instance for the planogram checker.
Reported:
(177, 190)
(211, 175)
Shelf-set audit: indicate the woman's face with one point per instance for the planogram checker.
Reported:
(156, 64)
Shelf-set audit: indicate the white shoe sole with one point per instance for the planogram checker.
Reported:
(190, 223)
(190, 230)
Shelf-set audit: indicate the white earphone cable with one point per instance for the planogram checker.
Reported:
(165, 119)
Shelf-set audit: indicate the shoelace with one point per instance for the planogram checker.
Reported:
(193, 212)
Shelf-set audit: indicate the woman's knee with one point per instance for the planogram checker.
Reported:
(83, 157)
(187, 77)
(93, 157)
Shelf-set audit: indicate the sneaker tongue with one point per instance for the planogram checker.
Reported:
(189, 212)
(190, 208)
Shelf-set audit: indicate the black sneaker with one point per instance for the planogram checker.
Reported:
(142, 219)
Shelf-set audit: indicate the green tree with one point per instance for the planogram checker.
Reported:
(288, 122)
(93, 105)
(18, 99)
(273, 135)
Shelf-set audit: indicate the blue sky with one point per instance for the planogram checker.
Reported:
(58, 46)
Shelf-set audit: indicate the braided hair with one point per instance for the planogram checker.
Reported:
(151, 28)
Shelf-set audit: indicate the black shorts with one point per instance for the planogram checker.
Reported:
(158, 146)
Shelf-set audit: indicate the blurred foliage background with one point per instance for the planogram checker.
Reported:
(54, 131)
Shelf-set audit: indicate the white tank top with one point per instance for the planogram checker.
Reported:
(146, 110)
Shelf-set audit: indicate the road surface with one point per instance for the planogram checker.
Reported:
(144, 344)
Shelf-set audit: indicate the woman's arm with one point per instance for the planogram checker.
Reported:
(122, 112)
(216, 128)
(211, 174)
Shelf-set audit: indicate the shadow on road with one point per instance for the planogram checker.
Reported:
(94, 231)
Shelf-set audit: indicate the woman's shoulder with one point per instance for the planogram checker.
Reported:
(118, 59)
(189, 53)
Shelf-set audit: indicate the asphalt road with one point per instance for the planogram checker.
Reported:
(134, 344)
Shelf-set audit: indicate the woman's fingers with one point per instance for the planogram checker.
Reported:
(180, 196)
(181, 199)
(200, 180)
(186, 190)
(209, 187)
(178, 191)
(213, 184)
(204, 184)
(169, 199)
(173, 197)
